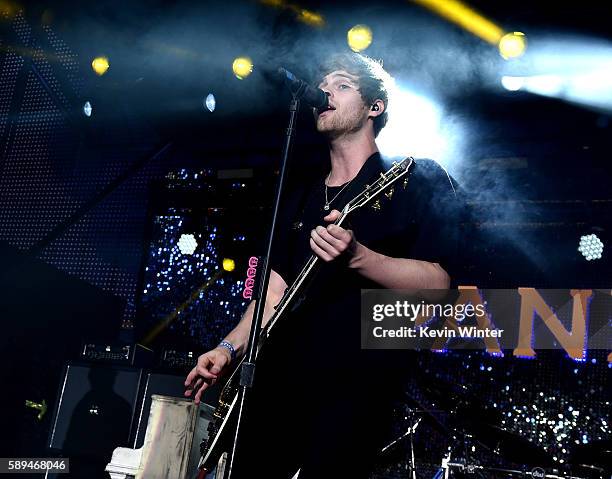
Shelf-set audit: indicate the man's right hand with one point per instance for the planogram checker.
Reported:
(206, 372)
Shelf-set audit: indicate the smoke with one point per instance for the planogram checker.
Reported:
(183, 49)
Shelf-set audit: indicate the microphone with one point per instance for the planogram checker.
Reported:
(314, 97)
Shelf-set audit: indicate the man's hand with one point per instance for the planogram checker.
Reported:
(206, 372)
(330, 242)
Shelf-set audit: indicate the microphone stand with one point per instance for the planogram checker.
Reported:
(247, 370)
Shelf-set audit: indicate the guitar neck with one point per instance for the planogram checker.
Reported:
(368, 194)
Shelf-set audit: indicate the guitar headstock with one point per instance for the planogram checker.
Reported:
(385, 180)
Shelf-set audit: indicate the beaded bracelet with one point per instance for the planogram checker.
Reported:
(229, 346)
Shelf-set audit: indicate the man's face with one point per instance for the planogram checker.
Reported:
(347, 111)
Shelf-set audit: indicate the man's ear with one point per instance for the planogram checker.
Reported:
(377, 108)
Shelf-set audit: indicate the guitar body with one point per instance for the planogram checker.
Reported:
(221, 429)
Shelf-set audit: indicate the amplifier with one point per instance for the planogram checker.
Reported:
(117, 353)
(94, 411)
(178, 360)
(93, 414)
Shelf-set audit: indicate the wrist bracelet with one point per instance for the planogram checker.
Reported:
(229, 346)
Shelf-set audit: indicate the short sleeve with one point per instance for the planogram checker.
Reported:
(439, 220)
(281, 259)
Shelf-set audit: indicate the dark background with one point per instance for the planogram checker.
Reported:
(78, 195)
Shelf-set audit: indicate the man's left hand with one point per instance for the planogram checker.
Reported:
(330, 242)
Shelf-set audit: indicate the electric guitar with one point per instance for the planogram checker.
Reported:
(214, 448)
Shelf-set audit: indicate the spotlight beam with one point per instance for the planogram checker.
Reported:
(466, 17)
(303, 15)
(163, 324)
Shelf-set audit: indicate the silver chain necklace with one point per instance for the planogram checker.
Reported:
(328, 202)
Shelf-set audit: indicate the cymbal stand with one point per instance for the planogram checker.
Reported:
(464, 463)
(409, 432)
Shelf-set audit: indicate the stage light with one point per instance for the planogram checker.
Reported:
(512, 45)
(413, 128)
(187, 244)
(571, 69)
(242, 67)
(512, 83)
(359, 37)
(9, 8)
(100, 65)
(210, 102)
(303, 15)
(547, 85)
(591, 247)
(87, 109)
(467, 18)
(310, 18)
(229, 264)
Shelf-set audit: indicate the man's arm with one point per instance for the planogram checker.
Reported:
(239, 336)
(399, 273)
(211, 364)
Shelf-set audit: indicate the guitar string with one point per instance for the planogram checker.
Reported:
(389, 178)
(305, 271)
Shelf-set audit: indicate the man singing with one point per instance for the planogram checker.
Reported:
(320, 404)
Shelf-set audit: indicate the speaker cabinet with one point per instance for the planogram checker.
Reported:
(94, 412)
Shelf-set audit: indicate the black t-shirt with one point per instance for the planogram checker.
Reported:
(312, 369)
(417, 218)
